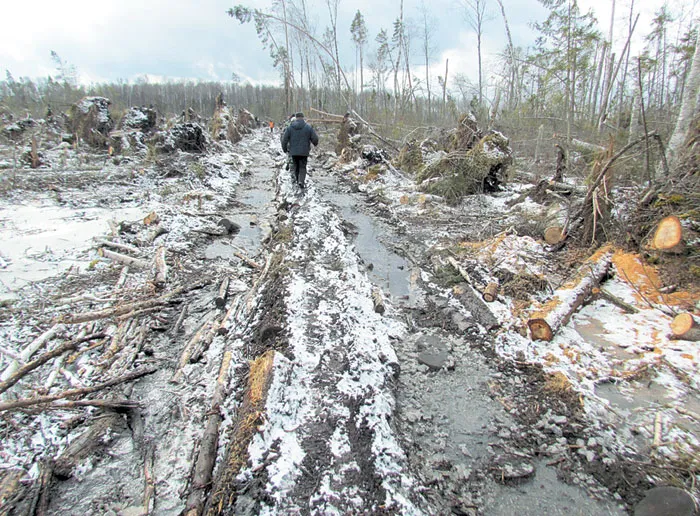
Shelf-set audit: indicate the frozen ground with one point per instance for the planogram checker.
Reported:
(438, 405)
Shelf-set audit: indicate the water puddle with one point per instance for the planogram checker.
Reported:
(40, 240)
(593, 331)
(385, 268)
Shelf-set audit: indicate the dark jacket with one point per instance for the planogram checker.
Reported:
(298, 137)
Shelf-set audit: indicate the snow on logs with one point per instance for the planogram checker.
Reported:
(249, 417)
(685, 327)
(669, 236)
(556, 312)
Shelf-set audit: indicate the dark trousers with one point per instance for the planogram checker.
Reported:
(299, 168)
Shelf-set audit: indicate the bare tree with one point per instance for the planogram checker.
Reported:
(475, 13)
(358, 29)
(427, 28)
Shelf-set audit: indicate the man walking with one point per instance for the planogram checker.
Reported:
(297, 140)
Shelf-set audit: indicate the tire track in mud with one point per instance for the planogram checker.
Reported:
(327, 444)
(343, 431)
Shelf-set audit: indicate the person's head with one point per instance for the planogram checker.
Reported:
(299, 115)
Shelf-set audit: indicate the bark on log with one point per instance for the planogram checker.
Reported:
(160, 268)
(122, 258)
(554, 235)
(222, 295)
(40, 400)
(490, 293)
(97, 437)
(10, 489)
(249, 417)
(378, 301)
(206, 458)
(685, 327)
(556, 313)
(122, 278)
(669, 236)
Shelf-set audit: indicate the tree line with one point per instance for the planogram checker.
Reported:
(574, 81)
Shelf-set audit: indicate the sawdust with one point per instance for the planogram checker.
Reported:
(645, 280)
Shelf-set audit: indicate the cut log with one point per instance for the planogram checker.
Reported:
(554, 314)
(685, 327)
(122, 258)
(160, 268)
(208, 448)
(100, 434)
(220, 299)
(248, 418)
(554, 235)
(669, 236)
(490, 293)
(378, 301)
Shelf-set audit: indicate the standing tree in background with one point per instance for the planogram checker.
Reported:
(475, 13)
(427, 28)
(689, 108)
(358, 29)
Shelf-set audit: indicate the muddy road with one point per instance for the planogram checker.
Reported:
(343, 369)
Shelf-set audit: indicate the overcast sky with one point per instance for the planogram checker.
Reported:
(109, 40)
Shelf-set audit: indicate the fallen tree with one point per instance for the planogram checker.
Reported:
(555, 313)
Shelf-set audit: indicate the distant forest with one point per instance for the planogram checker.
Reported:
(571, 85)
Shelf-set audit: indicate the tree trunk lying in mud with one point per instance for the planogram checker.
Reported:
(122, 258)
(209, 444)
(222, 295)
(685, 327)
(224, 491)
(669, 236)
(93, 439)
(10, 489)
(555, 313)
(378, 301)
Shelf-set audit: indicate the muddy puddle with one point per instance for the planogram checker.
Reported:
(389, 271)
(251, 215)
(452, 423)
(42, 239)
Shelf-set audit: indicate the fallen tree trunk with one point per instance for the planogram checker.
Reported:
(160, 268)
(208, 448)
(129, 307)
(249, 417)
(554, 314)
(98, 436)
(10, 489)
(685, 327)
(222, 295)
(378, 301)
(122, 258)
(190, 347)
(668, 236)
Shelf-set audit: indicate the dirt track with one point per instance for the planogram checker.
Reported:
(410, 411)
